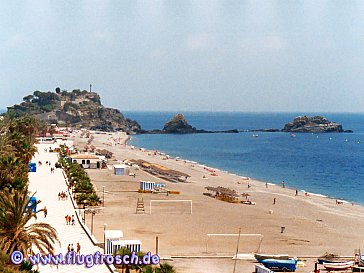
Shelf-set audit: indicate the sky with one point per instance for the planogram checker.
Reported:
(190, 55)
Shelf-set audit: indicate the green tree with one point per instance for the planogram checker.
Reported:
(28, 98)
(77, 92)
(37, 93)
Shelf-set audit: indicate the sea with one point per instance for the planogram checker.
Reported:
(331, 164)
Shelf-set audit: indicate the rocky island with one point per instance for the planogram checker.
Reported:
(77, 109)
(179, 125)
(316, 124)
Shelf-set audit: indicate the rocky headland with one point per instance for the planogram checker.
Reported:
(77, 109)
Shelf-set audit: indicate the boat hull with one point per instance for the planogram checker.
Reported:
(282, 265)
(330, 261)
(338, 266)
(361, 260)
(260, 257)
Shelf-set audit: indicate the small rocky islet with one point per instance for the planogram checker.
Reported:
(316, 124)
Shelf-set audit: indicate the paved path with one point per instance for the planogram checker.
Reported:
(47, 186)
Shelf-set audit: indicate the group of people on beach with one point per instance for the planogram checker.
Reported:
(70, 220)
(62, 196)
(70, 248)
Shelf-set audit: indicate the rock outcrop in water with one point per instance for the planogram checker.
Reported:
(77, 109)
(179, 125)
(315, 124)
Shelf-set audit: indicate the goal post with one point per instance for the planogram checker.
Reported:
(169, 201)
(224, 235)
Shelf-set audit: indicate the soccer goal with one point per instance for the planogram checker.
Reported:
(226, 243)
(164, 206)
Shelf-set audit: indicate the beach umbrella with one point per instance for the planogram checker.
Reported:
(246, 195)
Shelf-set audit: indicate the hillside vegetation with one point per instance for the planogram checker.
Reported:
(77, 109)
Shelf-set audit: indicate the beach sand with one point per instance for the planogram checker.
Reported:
(313, 224)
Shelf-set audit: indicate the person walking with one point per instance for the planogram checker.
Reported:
(274, 201)
(69, 248)
(296, 192)
(78, 248)
(45, 211)
(73, 220)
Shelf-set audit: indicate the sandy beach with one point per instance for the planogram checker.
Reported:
(313, 224)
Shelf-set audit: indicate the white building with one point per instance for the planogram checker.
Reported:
(87, 161)
(121, 169)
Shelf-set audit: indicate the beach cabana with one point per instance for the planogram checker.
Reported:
(161, 171)
(132, 245)
(111, 235)
(224, 194)
(121, 169)
(147, 186)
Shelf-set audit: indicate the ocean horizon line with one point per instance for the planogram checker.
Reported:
(236, 112)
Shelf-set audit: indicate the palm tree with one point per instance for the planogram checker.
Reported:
(163, 268)
(124, 251)
(26, 152)
(5, 145)
(15, 231)
(13, 172)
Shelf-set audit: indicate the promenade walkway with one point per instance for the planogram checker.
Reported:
(47, 185)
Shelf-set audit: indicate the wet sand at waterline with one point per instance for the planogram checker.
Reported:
(313, 224)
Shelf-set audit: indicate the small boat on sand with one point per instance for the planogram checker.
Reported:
(288, 265)
(331, 260)
(338, 266)
(361, 260)
(260, 257)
